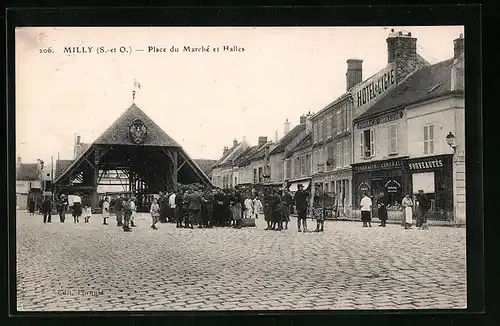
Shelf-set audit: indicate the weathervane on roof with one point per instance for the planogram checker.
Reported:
(137, 85)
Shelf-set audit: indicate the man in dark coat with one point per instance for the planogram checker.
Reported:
(382, 209)
(218, 207)
(301, 198)
(188, 222)
(209, 208)
(62, 206)
(195, 202)
(423, 208)
(286, 204)
(268, 209)
(179, 208)
(47, 209)
(276, 211)
(226, 208)
(118, 207)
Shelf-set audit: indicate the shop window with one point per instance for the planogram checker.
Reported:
(367, 143)
(346, 153)
(393, 138)
(428, 139)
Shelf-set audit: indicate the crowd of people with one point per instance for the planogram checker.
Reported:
(208, 208)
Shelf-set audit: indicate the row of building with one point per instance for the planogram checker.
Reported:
(398, 131)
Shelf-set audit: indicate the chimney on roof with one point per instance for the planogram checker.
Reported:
(459, 46)
(262, 141)
(354, 74)
(303, 118)
(235, 142)
(402, 50)
(78, 140)
(287, 127)
(225, 150)
(276, 136)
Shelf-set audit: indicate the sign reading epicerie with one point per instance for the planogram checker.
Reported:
(372, 88)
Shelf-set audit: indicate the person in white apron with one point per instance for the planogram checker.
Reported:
(133, 208)
(407, 204)
(105, 211)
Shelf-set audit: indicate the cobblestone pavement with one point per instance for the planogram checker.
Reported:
(75, 267)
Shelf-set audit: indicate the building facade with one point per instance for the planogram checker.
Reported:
(402, 141)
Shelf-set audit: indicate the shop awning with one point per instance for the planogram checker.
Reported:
(294, 186)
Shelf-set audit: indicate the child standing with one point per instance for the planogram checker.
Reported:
(155, 213)
(105, 211)
(249, 209)
(257, 206)
(87, 211)
(133, 208)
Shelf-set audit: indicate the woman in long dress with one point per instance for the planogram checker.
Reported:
(407, 204)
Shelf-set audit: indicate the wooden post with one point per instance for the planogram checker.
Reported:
(174, 169)
(95, 199)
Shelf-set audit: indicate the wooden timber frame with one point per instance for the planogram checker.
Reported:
(169, 167)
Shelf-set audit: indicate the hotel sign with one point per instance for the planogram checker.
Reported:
(378, 165)
(380, 120)
(371, 89)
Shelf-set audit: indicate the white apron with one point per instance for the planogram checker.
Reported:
(408, 215)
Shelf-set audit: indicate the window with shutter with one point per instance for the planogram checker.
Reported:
(362, 143)
(428, 139)
(328, 126)
(334, 123)
(346, 153)
(339, 122)
(338, 158)
(316, 132)
(372, 142)
(348, 119)
(393, 139)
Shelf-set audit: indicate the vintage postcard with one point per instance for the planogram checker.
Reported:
(240, 168)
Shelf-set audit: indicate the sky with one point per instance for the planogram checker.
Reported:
(203, 100)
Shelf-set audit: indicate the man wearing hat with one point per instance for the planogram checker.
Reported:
(301, 198)
(62, 205)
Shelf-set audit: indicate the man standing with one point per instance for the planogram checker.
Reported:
(170, 202)
(127, 213)
(422, 210)
(195, 208)
(47, 209)
(119, 210)
(209, 208)
(366, 209)
(287, 202)
(301, 198)
(218, 207)
(179, 207)
(188, 222)
(77, 208)
(382, 209)
(268, 208)
(62, 205)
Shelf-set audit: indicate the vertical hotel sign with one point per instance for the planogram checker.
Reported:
(373, 88)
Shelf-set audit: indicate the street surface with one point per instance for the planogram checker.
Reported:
(82, 267)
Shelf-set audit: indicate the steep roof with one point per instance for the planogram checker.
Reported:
(117, 133)
(62, 165)
(304, 143)
(82, 148)
(428, 82)
(260, 153)
(232, 154)
(205, 165)
(27, 171)
(288, 138)
(245, 157)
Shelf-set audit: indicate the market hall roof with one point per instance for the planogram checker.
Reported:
(118, 132)
(426, 83)
(62, 165)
